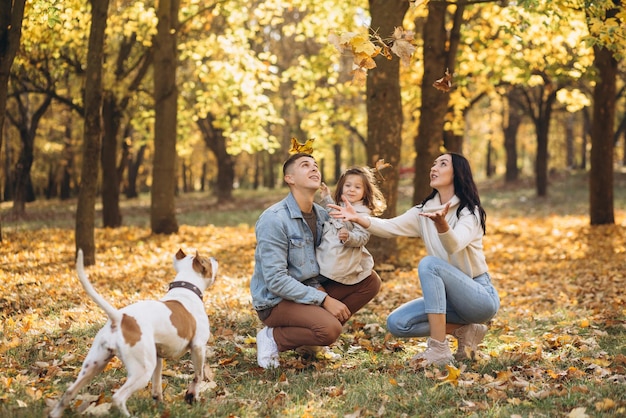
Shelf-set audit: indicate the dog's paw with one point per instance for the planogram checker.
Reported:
(190, 398)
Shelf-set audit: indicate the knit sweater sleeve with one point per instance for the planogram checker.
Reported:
(406, 225)
(462, 233)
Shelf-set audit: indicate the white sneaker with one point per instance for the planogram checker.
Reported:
(437, 353)
(468, 337)
(318, 352)
(266, 349)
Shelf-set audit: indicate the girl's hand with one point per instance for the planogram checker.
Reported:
(439, 218)
(343, 234)
(324, 192)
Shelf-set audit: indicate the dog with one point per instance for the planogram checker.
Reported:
(146, 332)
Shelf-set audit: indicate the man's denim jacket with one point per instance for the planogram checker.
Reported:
(285, 256)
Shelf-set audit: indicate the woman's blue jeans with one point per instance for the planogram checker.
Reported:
(448, 290)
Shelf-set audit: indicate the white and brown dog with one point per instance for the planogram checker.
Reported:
(146, 332)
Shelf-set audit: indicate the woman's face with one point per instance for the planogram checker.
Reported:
(442, 173)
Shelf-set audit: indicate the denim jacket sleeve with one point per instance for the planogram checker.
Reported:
(285, 257)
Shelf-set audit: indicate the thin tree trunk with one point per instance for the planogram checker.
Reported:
(111, 214)
(601, 209)
(216, 142)
(384, 116)
(11, 16)
(434, 102)
(26, 124)
(163, 207)
(86, 207)
(512, 121)
(569, 124)
(133, 171)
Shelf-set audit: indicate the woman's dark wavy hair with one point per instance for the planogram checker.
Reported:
(464, 188)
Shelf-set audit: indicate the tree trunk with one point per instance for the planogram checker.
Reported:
(133, 171)
(490, 169)
(111, 214)
(601, 159)
(541, 159)
(65, 191)
(434, 102)
(11, 16)
(163, 207)
(27, 127)
(452, 142)
(586, 138)
(216, 142)
(384, 116)
(569, 124)
(337, 165)
(86, 206)
(512, 121)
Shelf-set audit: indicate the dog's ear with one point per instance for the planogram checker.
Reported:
(180, 254)
(198, 266)
(202, 266)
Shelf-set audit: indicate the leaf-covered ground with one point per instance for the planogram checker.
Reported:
(556, 348)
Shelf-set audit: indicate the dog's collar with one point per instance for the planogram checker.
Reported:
(187, 285)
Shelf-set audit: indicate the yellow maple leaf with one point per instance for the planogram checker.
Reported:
(403, 45)
(364, 61)
(297, 147)
(452, 377)
(359, 76)
(362, 44)
(605, 404)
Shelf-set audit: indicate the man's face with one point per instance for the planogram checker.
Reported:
(304, 173)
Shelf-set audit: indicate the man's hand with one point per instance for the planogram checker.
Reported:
(336, 308)
(324, 192)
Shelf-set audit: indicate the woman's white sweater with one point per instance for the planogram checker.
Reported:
(461, 245)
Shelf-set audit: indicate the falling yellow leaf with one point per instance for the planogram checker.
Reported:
(297, 147)
(403, 45)
(444, 84)
(362, 44)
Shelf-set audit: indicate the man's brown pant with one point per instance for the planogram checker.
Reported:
(296, 324)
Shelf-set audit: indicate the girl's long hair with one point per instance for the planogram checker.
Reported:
(464, 188)
(373, 198)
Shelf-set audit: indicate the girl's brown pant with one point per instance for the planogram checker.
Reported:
(296, 324)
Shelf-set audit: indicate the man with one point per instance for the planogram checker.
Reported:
(285, 285)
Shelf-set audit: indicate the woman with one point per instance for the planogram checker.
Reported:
(458, 297)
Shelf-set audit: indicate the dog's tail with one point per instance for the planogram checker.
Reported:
(112, 313)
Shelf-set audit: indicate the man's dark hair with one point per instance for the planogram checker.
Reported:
(292, 159)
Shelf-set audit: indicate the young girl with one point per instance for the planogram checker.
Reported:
(342, 255)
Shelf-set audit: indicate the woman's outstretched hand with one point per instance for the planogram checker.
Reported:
(439, 218)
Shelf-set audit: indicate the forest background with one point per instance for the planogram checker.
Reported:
(115, 115)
